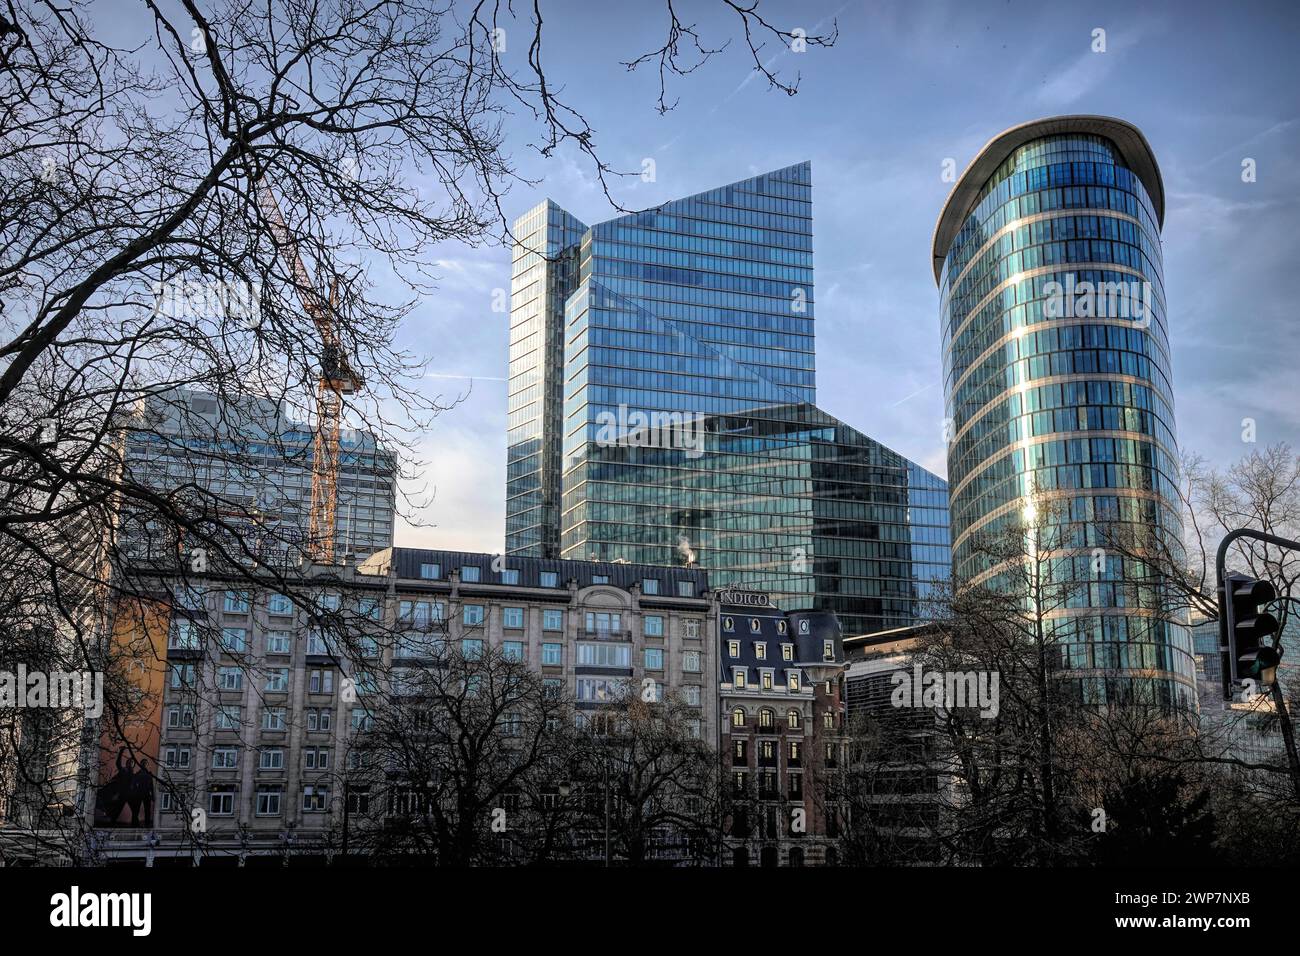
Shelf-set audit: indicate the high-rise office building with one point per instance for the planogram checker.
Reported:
(1057, 379)
(662, 389)
(246, 457)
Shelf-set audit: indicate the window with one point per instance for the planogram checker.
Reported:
(787, 652)
(793, 753)
(268, 801)
(796, 786)
(512, 617)
(552, 654)
(320, 681)
(738, 678)
(180, 717)
(430, 572)
(221, 802)
(792, 680)
(230, 679)
(471, 647)
(316, 758)
(600, 689)
(654, 658)
(371, 608)
(470, 574)
(552, 688)
(361, 720)
(693, 728)
(225, 758)
(420, 614)
(766, 680)
(279, 605)
(277, 642)
(685, 589)
(472, 615)
(828, 650)
(691, 694)
(649, 585)
(513, 650)
(417, 644)
(168, 803)
(315, 799)
(189, 597)
(316, 643)
(234, 640)
(600, 579)
(728, 624)
(766, 718)
(227, 717)
(828, 720)
(319, 718)
(691, 662)
(270, 758)
(602, 622)
(755, 625)
(180, 676)
(236, 602)
(738, 749)
(184, 636)
(692, 630)
(273, 718)
(738, 717)
(277, 680)
(760, 650)
(780, 627)
(550, 579)
(794, 720)
(552, 620)
(509, 575)
(767, 750)
(176, 758)
(654, 625)
(605, 655)
(327, 602)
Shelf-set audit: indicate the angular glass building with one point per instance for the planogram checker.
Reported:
(1057, 380)
(664, 361)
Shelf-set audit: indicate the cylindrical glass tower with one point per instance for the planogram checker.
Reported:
(1058, 386)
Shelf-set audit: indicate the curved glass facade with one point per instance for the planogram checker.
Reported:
(1057, 383)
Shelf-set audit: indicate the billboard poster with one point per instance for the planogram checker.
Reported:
(129, 742)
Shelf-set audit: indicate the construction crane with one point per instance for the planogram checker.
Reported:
(337, 379)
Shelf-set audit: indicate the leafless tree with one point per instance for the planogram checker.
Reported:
(227, 206)
(651, 784)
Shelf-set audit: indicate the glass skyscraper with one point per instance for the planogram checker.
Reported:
(662, 389)
(1057, 380)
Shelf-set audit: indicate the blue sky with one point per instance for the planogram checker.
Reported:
(907, 86)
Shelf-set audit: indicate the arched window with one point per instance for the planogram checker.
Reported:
(740, 856)
(767, 856)
(796, 856)
(738, 717)
(767, 718)
(794, 720)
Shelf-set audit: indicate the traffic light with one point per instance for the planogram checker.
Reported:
(1248, 626)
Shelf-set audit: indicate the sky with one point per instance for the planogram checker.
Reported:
(908, 88)
(905, 87)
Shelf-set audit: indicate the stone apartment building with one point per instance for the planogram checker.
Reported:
(258, 753)
(781, 720)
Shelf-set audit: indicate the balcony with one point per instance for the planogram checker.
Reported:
(606, 634)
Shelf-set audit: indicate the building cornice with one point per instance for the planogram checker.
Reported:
(1133, 146)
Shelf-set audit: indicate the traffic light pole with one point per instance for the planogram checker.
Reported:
(1229, 660)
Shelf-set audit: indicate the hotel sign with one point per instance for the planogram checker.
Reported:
(737, 597)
